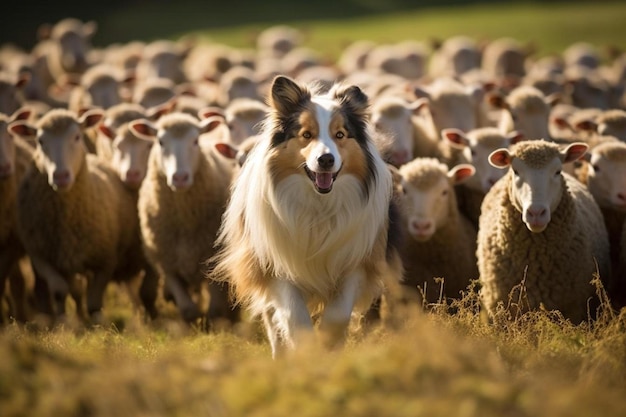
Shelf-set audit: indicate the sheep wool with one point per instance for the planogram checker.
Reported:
(555, 266)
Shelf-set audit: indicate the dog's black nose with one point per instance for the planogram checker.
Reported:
(326, 161)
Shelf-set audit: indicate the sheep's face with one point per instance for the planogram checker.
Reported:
(607, 177)
(537, 183)
(130, 157)
(62, 154)
(427, 208)
(537, 192)
(477, 154)
(179, 157)
(396, 127)
(428, 195)
(104, 93)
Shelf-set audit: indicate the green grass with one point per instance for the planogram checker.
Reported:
(550, 27)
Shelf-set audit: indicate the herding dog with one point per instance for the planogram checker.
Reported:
(309, 228)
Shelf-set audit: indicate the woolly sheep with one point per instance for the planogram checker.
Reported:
(583, 54)
(15, 157)
(237, 82)
(100, 86)
(399, 135)
(73, 214)
(586, 88)
(525, 109)
(276, 41)
(455, 56)
(505, 58)
(605, 177)
(180, 205)
(11, 86)
(440, 242)
(540, 229)
(163, 59)
(406, 59)
(474, 148)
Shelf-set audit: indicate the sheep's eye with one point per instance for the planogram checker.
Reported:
(444, 193)
(340, 135)
(516, 173)
(307, 135)
(473, 152)
(160, 143)
(596, 168)
(76, 138)
(195, 142)
(556, 174)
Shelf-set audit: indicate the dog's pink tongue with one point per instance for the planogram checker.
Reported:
(323, 180)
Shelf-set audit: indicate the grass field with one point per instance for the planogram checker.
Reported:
(420, 364)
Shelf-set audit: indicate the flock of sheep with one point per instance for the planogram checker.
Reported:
(116, 165)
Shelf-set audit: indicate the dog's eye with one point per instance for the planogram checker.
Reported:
(340, 135)
(307, 135)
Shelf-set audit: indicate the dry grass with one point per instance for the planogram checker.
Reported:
(424, 363)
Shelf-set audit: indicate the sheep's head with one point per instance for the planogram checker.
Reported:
(428, 194)
(60, 146)
(537, 181)
(606, 178)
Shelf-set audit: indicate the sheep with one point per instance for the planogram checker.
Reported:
(586, 88)
(237, 82)
(15, 157)
(583, 54)
(505, 58)
(99, 86)
(11, 87)
(276, 41)
(455, 56)
(604, 174)
(440, 242)
(163, 59)
(153, 92)
(541, 236)
(406, 59)
(398, 134)
(180, 205)
(244, 117)
(610, 123)
(525, 109)
(73, 214)
(475, 147)
(353, 57)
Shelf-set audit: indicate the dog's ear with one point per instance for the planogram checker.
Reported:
(353, 98)
(287, 95)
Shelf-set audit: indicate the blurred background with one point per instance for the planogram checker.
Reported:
(125, 20)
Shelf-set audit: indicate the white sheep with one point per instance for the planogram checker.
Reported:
(541, 236)
(439, 241)
(604, 174)
(74, 216)
(400, 136)
(474, 147)
(455, 56)
(180, 205)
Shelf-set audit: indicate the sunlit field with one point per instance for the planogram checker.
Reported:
(417, 361)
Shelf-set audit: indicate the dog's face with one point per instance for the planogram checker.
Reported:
(320, 137)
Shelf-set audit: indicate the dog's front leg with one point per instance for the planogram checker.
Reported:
(337, 313)
(288, 320)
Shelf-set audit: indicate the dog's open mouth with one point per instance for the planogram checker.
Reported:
(323, 181)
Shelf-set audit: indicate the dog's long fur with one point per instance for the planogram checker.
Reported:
(293, 242)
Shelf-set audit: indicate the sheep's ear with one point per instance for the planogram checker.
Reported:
(515, 136)
(561, 122)
(574, 152)
(421, 92)
(586, 125)
(23, 79)
(90, 28)
(22, 113)
(418, 105)
(210, 111)
(476, 92)
(106, 131)
(554, 99)
(90, 118)
(455, 137)
(286, 95)
(211, 123)
(22, 128)
(155, 112)
(497, 100)
(461, 173)
(142, 128)
(227, 150)
(500, 158)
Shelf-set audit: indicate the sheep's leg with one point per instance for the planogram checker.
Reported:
(57, 284)
(337, 313)
(188, 309)
(95, 294)
(290, 322)
(220, 306)
(148, 291)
